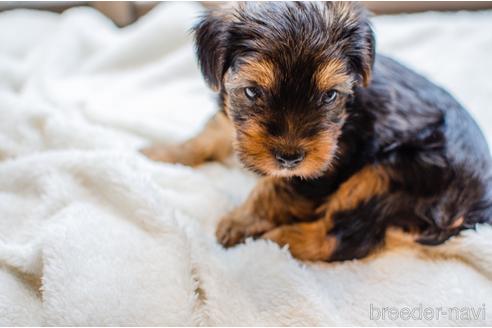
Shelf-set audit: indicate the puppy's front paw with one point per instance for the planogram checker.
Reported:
(307, 241)
(233, 229)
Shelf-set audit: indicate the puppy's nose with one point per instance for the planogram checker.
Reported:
(289, 160)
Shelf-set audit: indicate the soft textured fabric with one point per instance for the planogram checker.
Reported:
(93, 233)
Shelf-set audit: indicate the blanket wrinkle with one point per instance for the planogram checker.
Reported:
(93, 233)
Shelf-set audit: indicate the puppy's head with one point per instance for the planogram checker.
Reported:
(285, 72)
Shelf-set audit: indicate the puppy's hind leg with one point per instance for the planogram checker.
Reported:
(213, 143)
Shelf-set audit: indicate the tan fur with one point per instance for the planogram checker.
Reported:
(213, 143)
(333, 75)
(348, 13)
(321, 151)
(311, 241)
(260, 72)
(370, 181)
(271, 203)
(307, 241)
(254, 144)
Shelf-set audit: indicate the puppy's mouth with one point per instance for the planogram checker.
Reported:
(287, 156)
(307, 168)
(300, 164)
(309, 163)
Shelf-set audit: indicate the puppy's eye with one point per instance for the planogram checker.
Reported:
(330, 96)
(252, 93)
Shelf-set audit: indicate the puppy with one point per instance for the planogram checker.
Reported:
(348, 143)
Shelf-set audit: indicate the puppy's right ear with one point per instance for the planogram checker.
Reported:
(211, 43)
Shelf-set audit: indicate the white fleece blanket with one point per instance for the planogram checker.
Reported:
(93, 233)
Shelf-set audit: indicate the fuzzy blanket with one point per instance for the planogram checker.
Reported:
(93, 233)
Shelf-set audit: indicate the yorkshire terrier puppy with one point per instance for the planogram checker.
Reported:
(348, 142)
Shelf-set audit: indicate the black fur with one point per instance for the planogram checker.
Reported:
(439, 162)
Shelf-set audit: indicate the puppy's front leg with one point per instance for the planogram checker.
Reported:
(315, 241)
(213, 143)
(271, 203)
(307, 241)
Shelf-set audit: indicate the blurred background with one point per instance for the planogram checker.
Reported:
(126, 12)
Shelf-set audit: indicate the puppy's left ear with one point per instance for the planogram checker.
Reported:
(211, 39)
(356, 37)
